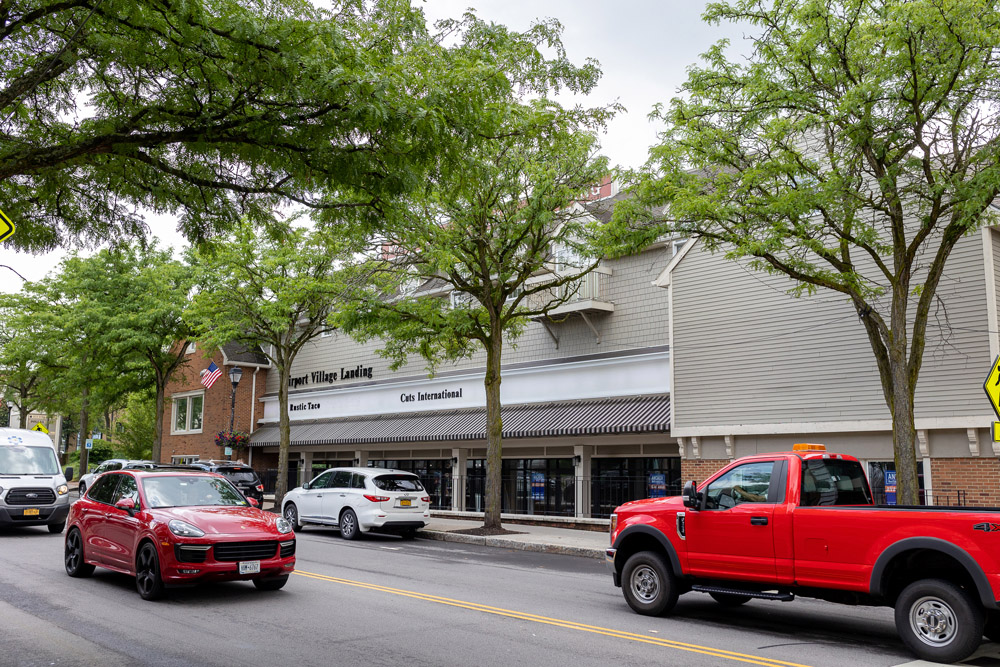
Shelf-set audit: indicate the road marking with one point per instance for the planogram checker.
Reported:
(570, 625)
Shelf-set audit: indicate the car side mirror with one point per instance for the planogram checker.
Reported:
(69, 474)
(692, 498)
(253, 502)
(126, 504)
(306, 486)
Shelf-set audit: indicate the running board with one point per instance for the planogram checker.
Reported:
(781, 597)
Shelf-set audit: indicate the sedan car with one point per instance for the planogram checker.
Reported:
(174, 528)
(358, 500)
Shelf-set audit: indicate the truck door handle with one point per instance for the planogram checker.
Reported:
(758, 521)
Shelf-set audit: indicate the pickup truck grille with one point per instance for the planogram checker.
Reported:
(30, 497)
(236, 551)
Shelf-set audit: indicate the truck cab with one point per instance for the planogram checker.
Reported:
(33, 491)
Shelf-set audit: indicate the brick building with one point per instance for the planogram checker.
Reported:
(194, 414)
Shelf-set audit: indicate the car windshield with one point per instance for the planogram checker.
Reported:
(24, 460)
(190, 491)
(397, 483)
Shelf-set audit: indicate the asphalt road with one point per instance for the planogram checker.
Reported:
(386, 601)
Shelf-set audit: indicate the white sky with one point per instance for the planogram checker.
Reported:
(644, 48)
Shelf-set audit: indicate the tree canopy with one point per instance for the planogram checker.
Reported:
(851, 151)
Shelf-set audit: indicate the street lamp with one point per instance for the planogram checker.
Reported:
(235, 373)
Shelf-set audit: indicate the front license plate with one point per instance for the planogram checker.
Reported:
(31, 512)
(404, 503)
(249, 567)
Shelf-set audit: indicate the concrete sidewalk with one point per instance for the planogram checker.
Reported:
(545, 539)
(529, 537)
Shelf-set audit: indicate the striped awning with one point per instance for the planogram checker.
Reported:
(633, 414)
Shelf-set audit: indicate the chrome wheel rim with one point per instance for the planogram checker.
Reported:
(146, 571)
(347, 524)
(645, 583)
(933, 621)
(292, 516)
(74, 552)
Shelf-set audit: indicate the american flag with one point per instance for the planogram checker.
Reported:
(210, 375)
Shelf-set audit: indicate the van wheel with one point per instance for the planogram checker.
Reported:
(730, 599)
(75, 565)
(648, 584)
(939, 621)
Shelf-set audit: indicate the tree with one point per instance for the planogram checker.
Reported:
(851, 152)
(220, 109)
(20, 375)
(268, 288)
(137, 426)
(487, 228)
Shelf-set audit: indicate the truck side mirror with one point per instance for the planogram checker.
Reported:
(692, 498)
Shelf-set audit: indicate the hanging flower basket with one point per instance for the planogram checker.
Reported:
(234, 439)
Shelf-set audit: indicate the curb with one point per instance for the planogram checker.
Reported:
(505, 543)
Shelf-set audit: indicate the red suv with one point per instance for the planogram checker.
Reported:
(176, 528)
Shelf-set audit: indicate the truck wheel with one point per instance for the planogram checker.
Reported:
(730, 599)
(939, 621)
(648, 584)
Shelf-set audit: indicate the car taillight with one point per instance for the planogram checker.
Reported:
(260, 487)
(377, 499)
(425, 499)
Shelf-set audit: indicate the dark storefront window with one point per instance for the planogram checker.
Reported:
(529, 486)
(617, 481)
(882, 477)
(434, 473)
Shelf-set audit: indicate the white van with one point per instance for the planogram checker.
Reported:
(33, 490)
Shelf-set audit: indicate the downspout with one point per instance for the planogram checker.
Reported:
(253, 405)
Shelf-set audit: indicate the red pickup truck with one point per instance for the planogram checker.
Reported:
(774, 526)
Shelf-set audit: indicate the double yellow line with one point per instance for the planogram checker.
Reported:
(570, 625)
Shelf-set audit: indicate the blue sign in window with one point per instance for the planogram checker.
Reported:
(890, 487)
(538, 486)
(657, 485)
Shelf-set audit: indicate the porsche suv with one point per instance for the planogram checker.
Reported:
(359, 500)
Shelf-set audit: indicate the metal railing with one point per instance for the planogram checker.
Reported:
(589, 287)
(954, 498)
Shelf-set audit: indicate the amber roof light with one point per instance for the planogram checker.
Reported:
(808, 447)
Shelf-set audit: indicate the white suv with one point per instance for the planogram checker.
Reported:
(359, 500)
(111, 464)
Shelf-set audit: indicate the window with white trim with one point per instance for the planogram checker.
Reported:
(191, 348)
(677, 244)
(188, 411)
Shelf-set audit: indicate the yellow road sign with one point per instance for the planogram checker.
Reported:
(6, 227)
(40, 427)
(992, 385)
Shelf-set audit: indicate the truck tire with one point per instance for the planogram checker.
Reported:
(648, 584)
(939, 621)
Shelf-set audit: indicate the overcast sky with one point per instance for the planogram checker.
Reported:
(644, 48)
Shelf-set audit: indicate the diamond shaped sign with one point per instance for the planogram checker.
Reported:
(992, 386)
(6, 227)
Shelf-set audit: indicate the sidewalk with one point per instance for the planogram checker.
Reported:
(543, 539)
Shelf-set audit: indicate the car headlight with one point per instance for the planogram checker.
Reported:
(283, 525)
(62, 490)
(184, 529)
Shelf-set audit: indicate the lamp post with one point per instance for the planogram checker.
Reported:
(10, 413)
(235, 373)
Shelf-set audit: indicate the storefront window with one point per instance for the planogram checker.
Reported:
(528, 486)
(434, 473)
(619, 480)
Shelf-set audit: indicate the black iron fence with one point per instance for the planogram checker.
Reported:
(953, 498)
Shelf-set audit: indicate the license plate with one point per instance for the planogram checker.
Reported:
(31, 512)
(249, 567)
(404, 503)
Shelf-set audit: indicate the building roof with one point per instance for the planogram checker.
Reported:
(237, 354)
(633, 414)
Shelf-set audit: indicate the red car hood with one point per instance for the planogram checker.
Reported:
(223, 520)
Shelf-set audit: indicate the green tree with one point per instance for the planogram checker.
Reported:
(219, 109)
(20, 373)
(854, 148)
(498, 226)
(137, 424)
(268, 288)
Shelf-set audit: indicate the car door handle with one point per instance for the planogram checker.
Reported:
(758, 521)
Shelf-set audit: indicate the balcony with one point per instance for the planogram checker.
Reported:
(585, 297)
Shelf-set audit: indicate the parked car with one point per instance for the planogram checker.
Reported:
(104, 466)
(33, 491)
(803, 523)
(359, 500)
(241, 475)
(171, 528)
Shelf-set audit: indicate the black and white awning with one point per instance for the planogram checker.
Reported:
(632, 414)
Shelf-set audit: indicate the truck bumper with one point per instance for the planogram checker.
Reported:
(609, 560)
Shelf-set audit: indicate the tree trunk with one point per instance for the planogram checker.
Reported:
(22, 417)
(494, 433)
(904, 432)
(285, 435)
(158, 434)
(84, 432)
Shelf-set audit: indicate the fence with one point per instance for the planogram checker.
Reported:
(955, 498)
